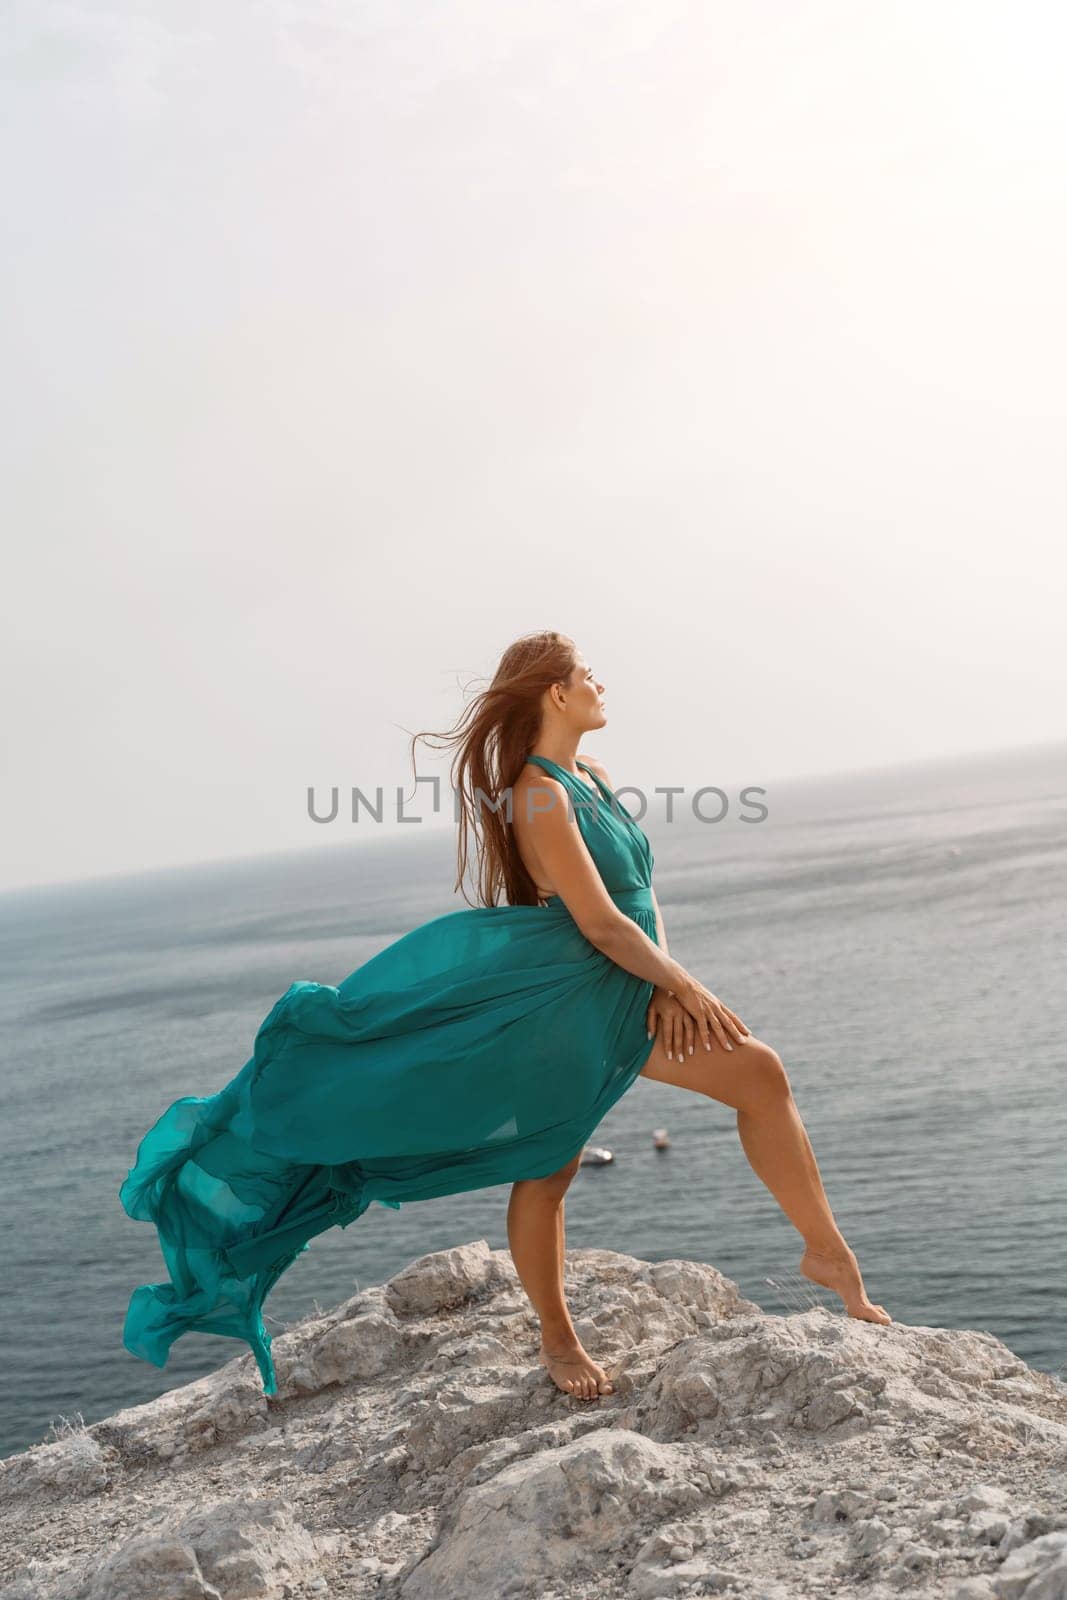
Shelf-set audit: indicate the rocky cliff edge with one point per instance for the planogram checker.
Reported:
(416, 1451)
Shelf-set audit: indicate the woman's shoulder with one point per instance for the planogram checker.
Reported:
(534, 772)
(532, 775)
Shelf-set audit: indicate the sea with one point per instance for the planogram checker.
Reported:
(898, 935)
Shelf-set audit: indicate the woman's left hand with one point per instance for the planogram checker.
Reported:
(672, 1021)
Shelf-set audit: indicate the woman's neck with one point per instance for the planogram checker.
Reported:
(563, 758)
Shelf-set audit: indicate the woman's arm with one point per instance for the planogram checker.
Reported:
(622, 941)
(570, 868)
(660, 933)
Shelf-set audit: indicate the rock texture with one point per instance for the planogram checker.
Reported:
(417, 1451)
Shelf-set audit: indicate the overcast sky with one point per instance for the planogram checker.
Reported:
(345, 342)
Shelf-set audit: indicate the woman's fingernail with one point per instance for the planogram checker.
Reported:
(648, 1035)
(690, 1049)
(729, 1046)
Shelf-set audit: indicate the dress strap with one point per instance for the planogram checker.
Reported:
(544, 761)
(601, 785)
(554, 766)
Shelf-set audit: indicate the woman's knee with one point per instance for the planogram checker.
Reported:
(765, 1074)
(556, 1184)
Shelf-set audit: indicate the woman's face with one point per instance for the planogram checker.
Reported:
(585, 696)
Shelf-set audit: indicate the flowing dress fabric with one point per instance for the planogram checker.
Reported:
(482, 1047)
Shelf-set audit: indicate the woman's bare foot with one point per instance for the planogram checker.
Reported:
(839, 1270)
(575, 1372)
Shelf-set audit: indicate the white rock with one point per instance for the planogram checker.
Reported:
(440, 1280)
(1037, 1570)
(165, 1569)
(870, 1535)
(226, 1551)
(74, 1464)
(983, 1497)
(986, 1527)
(360, 1348)
(418, 1450)
(545, 1517)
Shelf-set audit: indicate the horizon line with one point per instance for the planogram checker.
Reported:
(87, 880)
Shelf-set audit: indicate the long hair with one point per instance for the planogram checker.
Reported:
(493, 737)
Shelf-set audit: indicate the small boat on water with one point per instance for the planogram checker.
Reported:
(595, 1155)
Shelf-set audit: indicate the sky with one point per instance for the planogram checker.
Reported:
(343, 344)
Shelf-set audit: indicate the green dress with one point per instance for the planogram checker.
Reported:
(482, 1047)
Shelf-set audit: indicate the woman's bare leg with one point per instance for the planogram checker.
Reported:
(752, 1079)
(537, 1242)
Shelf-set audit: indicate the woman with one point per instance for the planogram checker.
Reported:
(483, 1047)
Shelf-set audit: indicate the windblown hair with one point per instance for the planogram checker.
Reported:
(494, 736)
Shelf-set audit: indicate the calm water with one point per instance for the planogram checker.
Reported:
(899, 937)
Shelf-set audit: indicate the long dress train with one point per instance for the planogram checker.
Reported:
(482, 1047)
